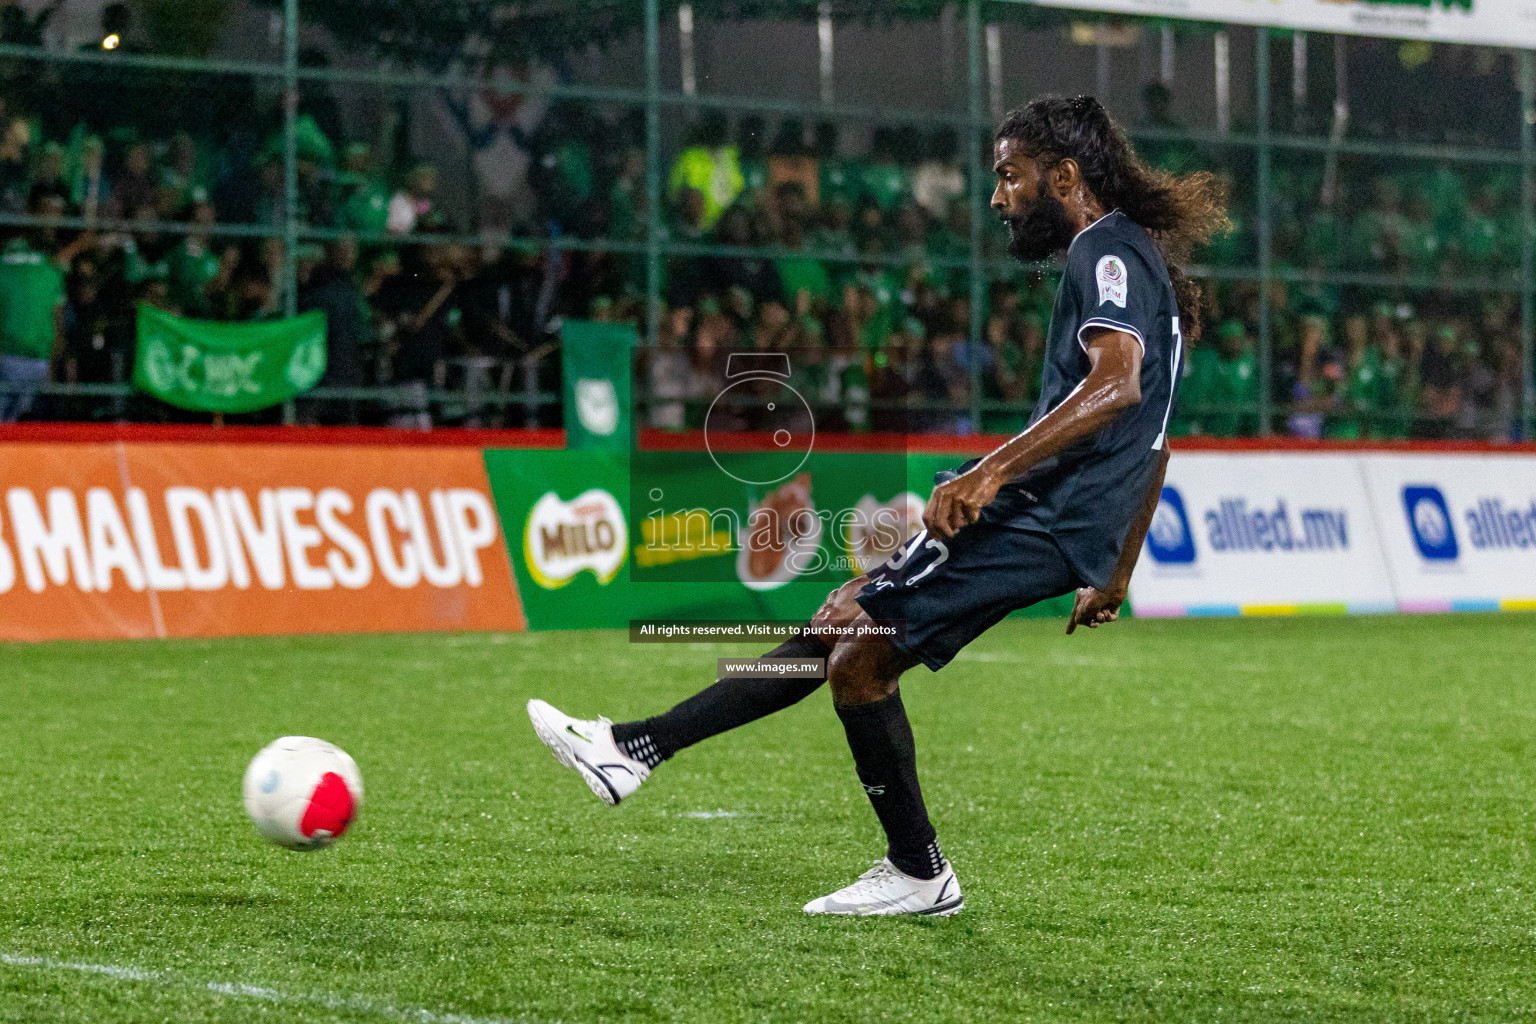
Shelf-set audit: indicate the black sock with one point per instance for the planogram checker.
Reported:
(724, 706)
(885, 757)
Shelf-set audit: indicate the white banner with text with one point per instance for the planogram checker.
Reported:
(1272, 533)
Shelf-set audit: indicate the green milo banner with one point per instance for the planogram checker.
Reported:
(596, 362)
(206, 366)
(598, 538)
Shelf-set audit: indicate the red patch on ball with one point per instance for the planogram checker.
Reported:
(330, 807)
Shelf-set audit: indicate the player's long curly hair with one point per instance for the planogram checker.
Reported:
(1180, 212)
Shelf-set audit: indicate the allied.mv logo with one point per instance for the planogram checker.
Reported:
(1168, 537)
(1429, 520)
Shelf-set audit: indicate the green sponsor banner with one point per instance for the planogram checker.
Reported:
(206, 366)
(596, 359)
(572, 537)
(593, 545)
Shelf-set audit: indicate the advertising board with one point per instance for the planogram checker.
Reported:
(1262, 533)
(144, 540)
(1459, 533)
(184, 539)
(599, 538)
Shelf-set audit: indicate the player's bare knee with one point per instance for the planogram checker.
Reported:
(853, 690)
(840, 608)
(858, 673)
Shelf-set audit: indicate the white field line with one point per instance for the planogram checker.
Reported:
(239, 990)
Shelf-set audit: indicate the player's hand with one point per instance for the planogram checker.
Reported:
(1094, 607)
(956, 504)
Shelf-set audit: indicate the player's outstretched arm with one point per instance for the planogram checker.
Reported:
(1113, 383)
(1094, 606)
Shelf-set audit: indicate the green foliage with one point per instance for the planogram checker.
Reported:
(1325, 820)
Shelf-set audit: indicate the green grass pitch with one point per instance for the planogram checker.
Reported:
(1260, 820)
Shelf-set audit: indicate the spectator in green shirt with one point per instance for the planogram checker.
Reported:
(1481, 237)
(89, 191)
(362, 198)
(1197, 383)
(31, 324)
(883, 180)
(1377, 241)
(1235, 383)
(1423, 245)
(193, 266)
(1359, 391)
(1447, 195)
(1396, 388)
(837, 178)
(146, 253)
(807, 287)
(1322, 239)
(184, 176)
(752, 150)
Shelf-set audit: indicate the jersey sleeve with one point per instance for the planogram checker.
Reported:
(1115, 289)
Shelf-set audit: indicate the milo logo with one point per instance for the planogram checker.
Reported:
(564, 538)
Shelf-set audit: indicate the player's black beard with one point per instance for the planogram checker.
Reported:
(1040, 233)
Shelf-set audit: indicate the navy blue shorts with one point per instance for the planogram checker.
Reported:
(949, 592)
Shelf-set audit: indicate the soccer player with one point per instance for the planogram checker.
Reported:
(1062, 507)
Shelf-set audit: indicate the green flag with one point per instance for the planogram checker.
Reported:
(597, 383)
(219, 367)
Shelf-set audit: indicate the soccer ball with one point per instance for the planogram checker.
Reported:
(302, 793)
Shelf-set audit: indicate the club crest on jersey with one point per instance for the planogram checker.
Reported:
(1111, 276)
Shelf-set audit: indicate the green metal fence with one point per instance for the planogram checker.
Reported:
(972, 120)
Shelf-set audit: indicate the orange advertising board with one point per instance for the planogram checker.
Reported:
(189, 540)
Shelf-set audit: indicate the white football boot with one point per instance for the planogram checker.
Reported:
(587, 747)
(885, 889)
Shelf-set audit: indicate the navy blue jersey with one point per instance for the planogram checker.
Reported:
(1087, 496)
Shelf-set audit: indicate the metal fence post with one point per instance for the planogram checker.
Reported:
(1527, 429)
(1266, 232)
(974, 124)
(652, 171)
(290, 172)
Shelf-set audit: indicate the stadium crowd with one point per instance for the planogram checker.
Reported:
(879, 333)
